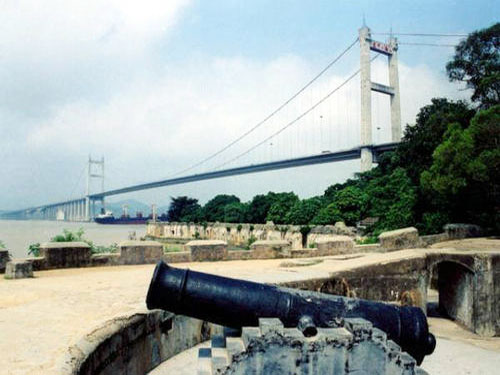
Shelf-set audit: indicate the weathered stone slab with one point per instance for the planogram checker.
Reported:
(4, 258)
(459, 231)
(18, 269)
(334, 245)
(266, 249)
(105, 259)
(204, 250)
(140, 252)
(65, 254)
(177, 257)
(405, 238)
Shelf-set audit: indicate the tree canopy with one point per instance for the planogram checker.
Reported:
(477, 63)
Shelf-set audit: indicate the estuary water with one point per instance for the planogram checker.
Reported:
(17, 235)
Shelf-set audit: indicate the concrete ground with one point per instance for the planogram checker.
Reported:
(41, 318)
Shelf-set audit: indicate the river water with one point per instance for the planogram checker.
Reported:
(17, 235)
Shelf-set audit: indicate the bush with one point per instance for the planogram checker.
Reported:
(34, 249)
(250, 241)
(69, 236)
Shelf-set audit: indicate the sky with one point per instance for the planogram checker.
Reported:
(156, 86)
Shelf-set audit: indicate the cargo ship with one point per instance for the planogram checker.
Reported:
(109, 218)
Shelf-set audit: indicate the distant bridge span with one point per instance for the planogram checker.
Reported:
(75, 208)
(325, 157)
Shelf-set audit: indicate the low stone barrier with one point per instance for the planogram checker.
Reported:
(203, 250)
(177, 257)
(135, 344)
(4, 258)
(270, 249)
(19, 269)
(431, 239)
(140, 252)
(334, 245)
(459, 231)
(65, 254)
(405, 238)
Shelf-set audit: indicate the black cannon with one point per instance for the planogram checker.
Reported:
(237, 303)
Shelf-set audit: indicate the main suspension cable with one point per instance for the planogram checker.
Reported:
(255, 127)
(295, 120)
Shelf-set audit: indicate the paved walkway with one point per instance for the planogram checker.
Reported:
(41, 317)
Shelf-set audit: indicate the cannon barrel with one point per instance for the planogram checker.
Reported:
(238, 303)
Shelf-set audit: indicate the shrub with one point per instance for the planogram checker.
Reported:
(34, 249)
(250, 241)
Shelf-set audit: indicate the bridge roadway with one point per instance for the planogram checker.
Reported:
(325, 157)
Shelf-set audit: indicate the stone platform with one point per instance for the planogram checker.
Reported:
(41, 318)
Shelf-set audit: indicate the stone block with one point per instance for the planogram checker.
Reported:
(265, 249)
(65, 254)
(405, 238)
(19, 269)
(459, 231)
(334, 245)
(140, 252)
(272, 349)
(177, 257)
(204, 250)
(4, 258)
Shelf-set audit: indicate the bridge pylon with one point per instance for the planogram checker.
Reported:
(93, 172)
(390, 50)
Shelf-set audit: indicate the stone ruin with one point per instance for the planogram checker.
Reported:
(357, 347)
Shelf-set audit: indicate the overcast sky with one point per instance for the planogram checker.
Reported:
(154, 86)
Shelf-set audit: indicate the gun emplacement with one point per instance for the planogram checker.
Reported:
(238, 303)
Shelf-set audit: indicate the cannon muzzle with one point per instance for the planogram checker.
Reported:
(238, 303)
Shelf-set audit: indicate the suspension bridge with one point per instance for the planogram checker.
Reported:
(282, 126)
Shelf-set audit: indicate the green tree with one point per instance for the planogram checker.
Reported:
(477, 63)
(392, 198)
(327, 215)
(466, 169)
(183, 208)
(259, 207)
(303, 211)
(214, 209)
(280, 207)
(235, 212)
(349, 205)
(414, 153)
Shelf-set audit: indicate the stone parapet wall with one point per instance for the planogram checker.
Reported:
(135, 344)
(203, 250)
(241, 234)
(140, 252)
(405, 238)
(65, 254)
(4, 258)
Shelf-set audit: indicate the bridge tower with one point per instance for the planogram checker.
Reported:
(390, 50)
(93, 172)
